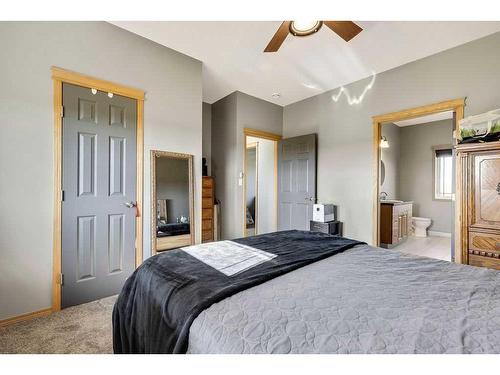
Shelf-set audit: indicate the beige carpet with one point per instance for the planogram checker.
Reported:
(79, 329)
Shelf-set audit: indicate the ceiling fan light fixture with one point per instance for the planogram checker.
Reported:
(304, 28)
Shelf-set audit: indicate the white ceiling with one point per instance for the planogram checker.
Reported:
(232, 55)
(426, 119)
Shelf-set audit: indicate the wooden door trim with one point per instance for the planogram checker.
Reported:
(455, 105)
(248, 132)
(60, 76)
(68, 76)
(176, 155)
(261, 134)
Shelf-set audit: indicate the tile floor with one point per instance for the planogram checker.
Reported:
(431, 246)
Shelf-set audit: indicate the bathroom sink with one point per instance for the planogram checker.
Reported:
(390, 201)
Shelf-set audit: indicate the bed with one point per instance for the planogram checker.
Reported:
(357, 299)
(172, 229)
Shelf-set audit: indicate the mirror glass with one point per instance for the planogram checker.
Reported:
(251, 189)
(172, 200)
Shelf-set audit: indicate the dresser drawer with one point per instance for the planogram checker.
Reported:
(484, 250)
(206, 213)
(207, 235)
(207, 203)
(484, 241)
(206, 224)
(207, 183)
(206, 192)
(483, 261)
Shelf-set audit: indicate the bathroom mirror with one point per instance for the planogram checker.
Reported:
(172, 203)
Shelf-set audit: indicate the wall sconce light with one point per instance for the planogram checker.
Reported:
(384, 143)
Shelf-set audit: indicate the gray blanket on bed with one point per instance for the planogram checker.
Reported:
(365, 300)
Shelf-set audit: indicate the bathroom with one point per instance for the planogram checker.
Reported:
(417, 186)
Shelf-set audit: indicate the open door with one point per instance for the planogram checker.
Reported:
(296, 181)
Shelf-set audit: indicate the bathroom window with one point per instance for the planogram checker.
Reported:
(443, 174)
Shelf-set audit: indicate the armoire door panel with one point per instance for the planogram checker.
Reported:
(486, 190)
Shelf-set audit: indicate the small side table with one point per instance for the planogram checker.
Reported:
(329, 227)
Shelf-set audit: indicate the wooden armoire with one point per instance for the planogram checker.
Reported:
(478, 195)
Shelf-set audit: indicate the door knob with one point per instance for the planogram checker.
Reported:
(130, 204)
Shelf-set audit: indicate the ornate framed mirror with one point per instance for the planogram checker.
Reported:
(172, 200)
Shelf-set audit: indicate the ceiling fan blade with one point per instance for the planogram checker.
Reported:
(345, 29)
(279, 37)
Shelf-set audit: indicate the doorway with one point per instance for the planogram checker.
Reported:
(409, 203)
(260, 182)
(251, 186)
(416, 186)
(98, 163)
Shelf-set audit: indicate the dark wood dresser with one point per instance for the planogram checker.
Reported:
(207, 208)
(480, 201)
(395, 222)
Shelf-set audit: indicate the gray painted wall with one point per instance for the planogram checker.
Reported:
(172, 183)
(172, 120)
(224, 165)
(345, 175)
(390, 157)
(207, 135)
(230, 116)
(416, 171)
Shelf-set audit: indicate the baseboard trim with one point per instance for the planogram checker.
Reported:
(439, 234)
(24, 317)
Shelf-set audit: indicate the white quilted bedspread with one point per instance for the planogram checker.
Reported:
(365, 300)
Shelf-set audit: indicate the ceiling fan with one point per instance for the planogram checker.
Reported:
(345, 29)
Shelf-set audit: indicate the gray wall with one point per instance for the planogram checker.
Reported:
(345, 172)
(416, 171)
(390, 157)
(224, 161)
(172, 120)
(230, 116)
(172, 183)
(207, 135)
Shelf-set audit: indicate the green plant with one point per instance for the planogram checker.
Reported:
(495, 128)
(466, 133)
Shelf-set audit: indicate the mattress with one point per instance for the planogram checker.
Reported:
(364, 300)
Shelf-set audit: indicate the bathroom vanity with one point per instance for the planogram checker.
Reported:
(395, 222)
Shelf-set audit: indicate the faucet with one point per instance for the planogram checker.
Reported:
(383, 196)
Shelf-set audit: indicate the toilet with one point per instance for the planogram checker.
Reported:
(420, 225)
